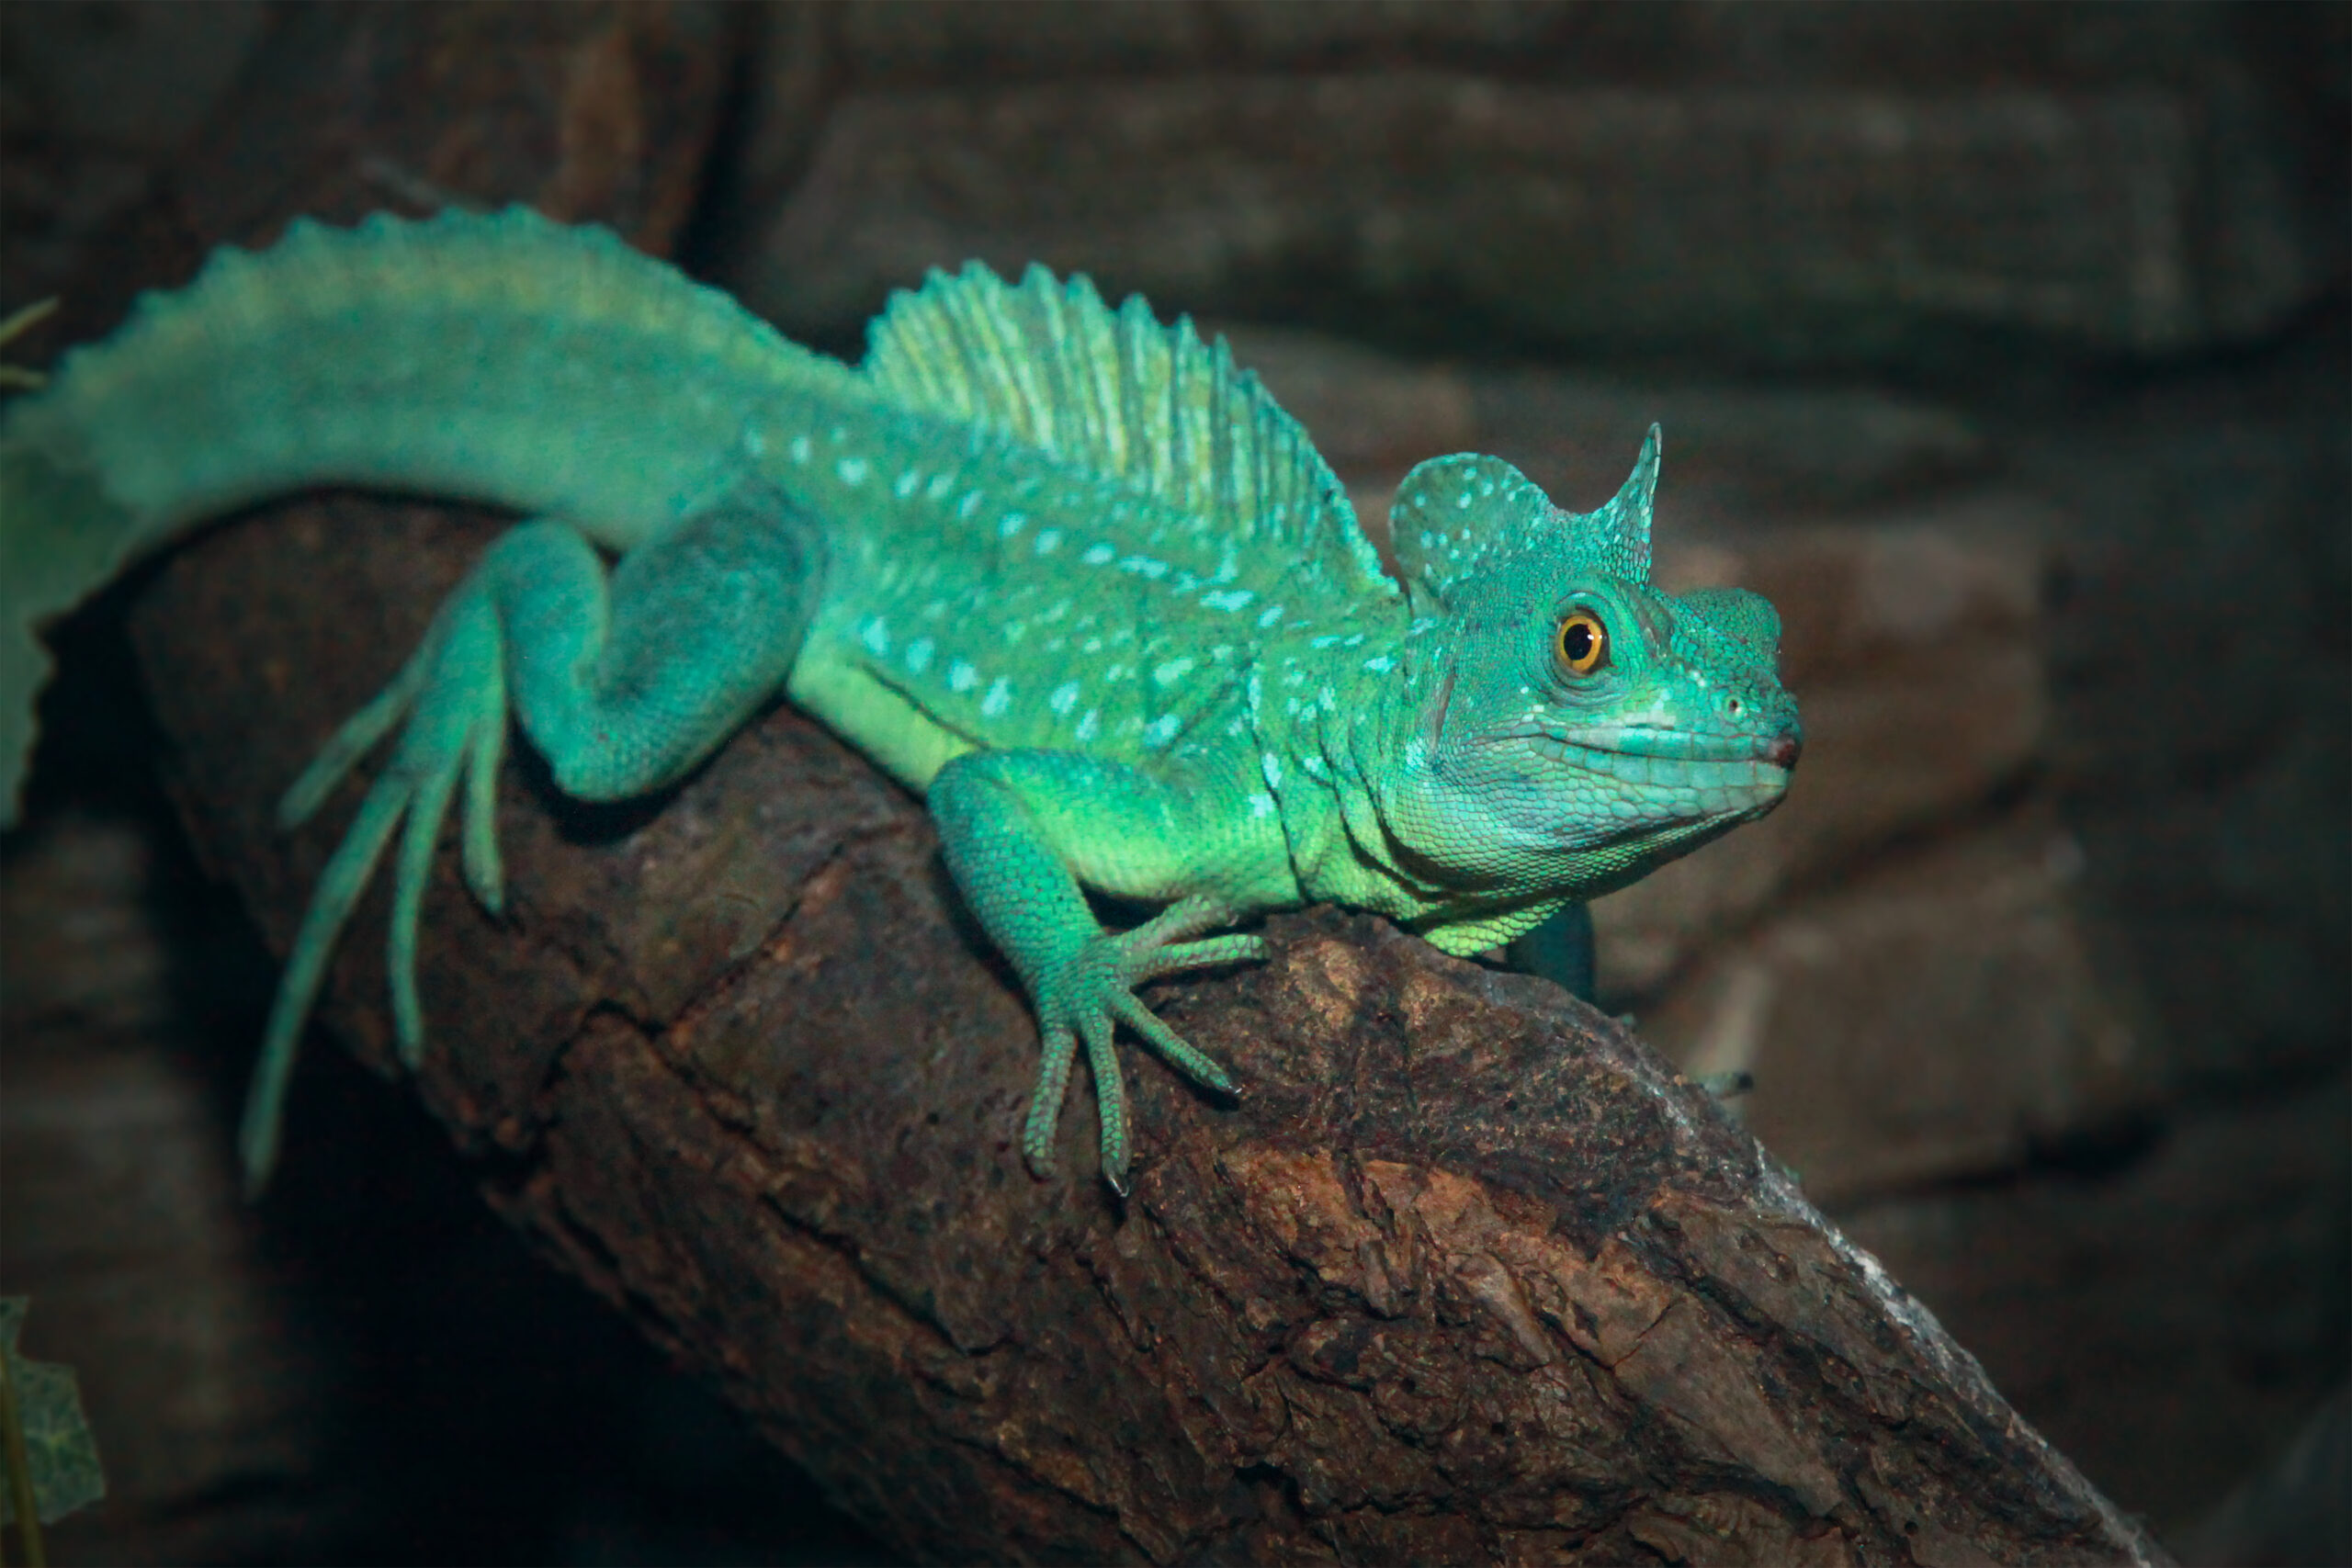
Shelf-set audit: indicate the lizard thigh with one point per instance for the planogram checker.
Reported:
(625, 680)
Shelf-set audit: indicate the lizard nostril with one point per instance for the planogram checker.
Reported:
(1784, 750)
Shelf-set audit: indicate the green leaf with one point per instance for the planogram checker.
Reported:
(59, 1448)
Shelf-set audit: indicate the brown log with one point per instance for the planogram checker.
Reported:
(1465, 1275)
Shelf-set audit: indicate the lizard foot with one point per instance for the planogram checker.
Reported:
(453, 694)
(1092, 991)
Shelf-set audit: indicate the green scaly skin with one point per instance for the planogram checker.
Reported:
(1064, 570)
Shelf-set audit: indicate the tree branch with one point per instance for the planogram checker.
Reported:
(1465, 1275)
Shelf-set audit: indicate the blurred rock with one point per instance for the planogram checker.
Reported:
(1370, 413)
(135, 78)
(955, 41)
(1939, 1017)
(1784, 226)
(591, 112)
(2297, 1509)
(1729, 449)
(2202, 680)
(123, 1225)
(2172, 1309)
(92, 98)
(1835, 42)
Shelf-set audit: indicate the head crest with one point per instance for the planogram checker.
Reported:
(1455, 517)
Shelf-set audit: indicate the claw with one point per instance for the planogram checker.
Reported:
(1110, 1099)
(16, 326)
(1045, 1104)
(338, 889)
(359, 734)
(1086, 1001)
(485, 875)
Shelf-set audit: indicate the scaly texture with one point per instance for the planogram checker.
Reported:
(1071, 573)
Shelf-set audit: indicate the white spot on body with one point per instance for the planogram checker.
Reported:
(1261, 804)
(1049, 541)
(1270, 766)
(1228, 599)
(919, 654)
(1099, 554)
(1175, 670)
(962, 677)
(1063, 698)
(1380, 665)
(875, 634)
(1087, 724)
(799, 449)
(1012, 523)
(1000, 698)
(1272, 612)
(1161, 731)
(906, 484)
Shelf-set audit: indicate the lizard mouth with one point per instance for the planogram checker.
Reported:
(1712, 773)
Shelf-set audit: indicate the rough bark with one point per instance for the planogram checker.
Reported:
(1465, 1274)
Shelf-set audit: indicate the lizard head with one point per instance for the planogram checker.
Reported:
(1576, 725)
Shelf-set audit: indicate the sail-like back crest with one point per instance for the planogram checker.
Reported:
(1049, 365)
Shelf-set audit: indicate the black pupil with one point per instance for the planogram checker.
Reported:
(1577, 641)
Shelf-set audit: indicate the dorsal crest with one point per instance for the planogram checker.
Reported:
(1049, 365)
(1454, 517)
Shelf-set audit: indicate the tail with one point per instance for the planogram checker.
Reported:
(505, 359)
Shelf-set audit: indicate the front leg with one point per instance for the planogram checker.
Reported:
(1021, 829)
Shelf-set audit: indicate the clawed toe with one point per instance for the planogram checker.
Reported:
(452, 696)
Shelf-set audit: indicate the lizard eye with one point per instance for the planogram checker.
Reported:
(1583, 642)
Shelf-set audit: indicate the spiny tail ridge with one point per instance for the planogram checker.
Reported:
(506, 360)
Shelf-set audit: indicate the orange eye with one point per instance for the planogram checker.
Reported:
(1583, 642)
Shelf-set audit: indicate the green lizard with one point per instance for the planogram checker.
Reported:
(1068, 572)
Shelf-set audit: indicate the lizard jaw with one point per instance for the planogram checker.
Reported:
(1780, 750)
(1674, 776)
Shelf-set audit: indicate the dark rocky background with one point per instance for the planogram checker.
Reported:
(2006, 348)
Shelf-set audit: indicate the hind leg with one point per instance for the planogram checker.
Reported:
(624, 679)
